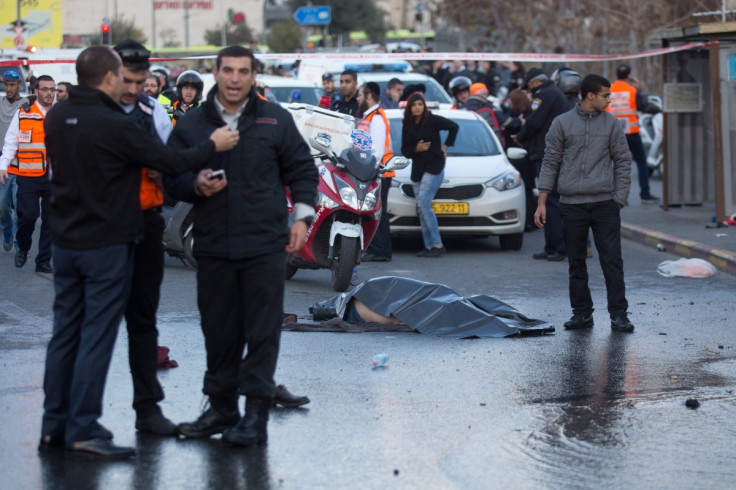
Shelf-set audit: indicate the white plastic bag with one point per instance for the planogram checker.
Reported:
(686, 268)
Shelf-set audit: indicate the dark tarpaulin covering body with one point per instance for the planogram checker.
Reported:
(436, 309)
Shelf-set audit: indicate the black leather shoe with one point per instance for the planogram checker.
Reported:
(102, 449)
(157, 424)
(620, 322)
(251, 430)
(20, 258)
(101, 432)
(286, 399)
(51, 443)
(579, 320)
(555, 257)
(375, 258)
(44, 268)
(209, 423)
(540, 255)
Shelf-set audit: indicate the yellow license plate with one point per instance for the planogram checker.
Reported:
(450, 207)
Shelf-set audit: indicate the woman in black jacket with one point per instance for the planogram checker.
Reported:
(420, 141)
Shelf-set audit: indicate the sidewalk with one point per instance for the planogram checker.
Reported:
(682, 230)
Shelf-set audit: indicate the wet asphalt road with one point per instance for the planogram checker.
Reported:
(587, 409)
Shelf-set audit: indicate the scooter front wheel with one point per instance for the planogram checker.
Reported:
(189, 246)
(290, 271)
(342, 264)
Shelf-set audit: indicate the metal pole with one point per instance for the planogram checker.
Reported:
(715, 88)
(186, 23)
(153, 23)
(223, 32)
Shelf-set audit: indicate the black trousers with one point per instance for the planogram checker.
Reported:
(605, 220)
(554, 241)
(640, 159)
(525, 167)
(91, 289)
(241, 304)
(140, 316)
(381, 243)
(31, 202)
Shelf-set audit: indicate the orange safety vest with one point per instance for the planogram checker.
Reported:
(30, 158)
(388, 151)
(150, 194)
(623, 106)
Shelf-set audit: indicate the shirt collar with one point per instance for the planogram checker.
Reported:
(221, 109)
(371, 109)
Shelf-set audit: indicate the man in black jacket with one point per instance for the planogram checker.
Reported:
(98, 152)
(348, 102)
(547, 103)
(242, 237)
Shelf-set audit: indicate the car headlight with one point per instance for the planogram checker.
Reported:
(505, 181)
(326, 202)
(347, 193)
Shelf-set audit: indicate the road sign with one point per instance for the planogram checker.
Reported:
(315, 15)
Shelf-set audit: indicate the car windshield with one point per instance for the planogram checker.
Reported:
(310, 95)
(434, 93)
(473, 139)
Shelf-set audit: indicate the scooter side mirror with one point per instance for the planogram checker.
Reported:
(322, 145)
(516, 153)
(396, 163)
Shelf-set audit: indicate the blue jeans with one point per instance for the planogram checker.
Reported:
(92, 288)
(424, 191)
(8, 224)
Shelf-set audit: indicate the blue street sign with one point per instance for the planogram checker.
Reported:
(313, 16)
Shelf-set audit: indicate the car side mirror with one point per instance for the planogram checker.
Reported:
(516, 153)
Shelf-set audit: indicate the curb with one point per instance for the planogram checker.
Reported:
(722, 259)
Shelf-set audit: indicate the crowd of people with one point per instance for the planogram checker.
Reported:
(233, 156)
(533, 105)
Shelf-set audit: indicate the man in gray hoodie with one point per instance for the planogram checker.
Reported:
(586, 151)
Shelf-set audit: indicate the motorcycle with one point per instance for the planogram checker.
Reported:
(348, 211)
(651, 129)
(178, 238)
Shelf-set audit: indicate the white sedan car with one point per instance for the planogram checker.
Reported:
(482, 193)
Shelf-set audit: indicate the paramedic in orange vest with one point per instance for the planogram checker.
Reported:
(368, 98)
(24, 155)
(148, 256)
(625, 102)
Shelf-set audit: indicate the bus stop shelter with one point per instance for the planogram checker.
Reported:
(699, 88)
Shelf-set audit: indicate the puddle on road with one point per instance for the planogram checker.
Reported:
(607, 433)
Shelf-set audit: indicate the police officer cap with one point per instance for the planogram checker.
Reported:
(328, 76)
(532, 74)
(132, 52)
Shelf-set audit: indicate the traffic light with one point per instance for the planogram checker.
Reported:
(105, 34)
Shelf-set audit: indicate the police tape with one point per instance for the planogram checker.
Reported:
(430, 56)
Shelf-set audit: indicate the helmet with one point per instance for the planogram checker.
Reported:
(190, 77)
(458, 84)
(567, 80)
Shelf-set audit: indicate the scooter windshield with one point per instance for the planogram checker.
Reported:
(360, 163)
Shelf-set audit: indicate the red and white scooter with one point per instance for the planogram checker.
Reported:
(348, 210)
